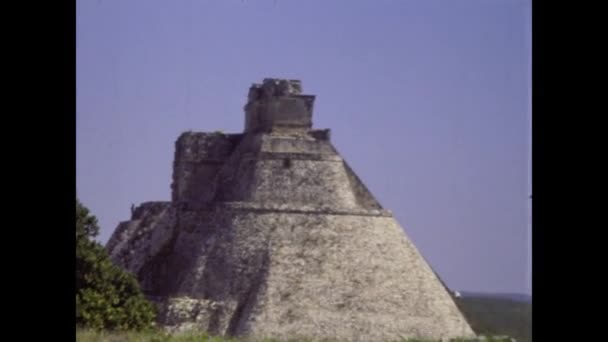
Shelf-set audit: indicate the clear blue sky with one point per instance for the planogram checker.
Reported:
(429, 101)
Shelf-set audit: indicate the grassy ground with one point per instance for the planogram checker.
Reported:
(92, 336)
(104, 336)
(498, 316)
(487, 316)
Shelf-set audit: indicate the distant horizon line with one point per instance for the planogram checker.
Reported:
(484, 293)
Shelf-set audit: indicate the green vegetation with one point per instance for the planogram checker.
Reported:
(155, 336)
(145, 336)
(106, 296)
(111, 308)
(498, 316)
(484, 339)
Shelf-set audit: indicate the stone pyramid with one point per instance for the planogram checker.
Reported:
(270, 233)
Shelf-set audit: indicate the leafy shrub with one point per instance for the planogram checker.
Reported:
(107, 297)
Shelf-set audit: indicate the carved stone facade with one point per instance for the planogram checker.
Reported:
(278, 104)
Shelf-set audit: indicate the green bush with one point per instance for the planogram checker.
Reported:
(147, 336)
(107, 297)
(150, 336)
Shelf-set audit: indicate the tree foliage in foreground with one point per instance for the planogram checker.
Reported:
(107, 297)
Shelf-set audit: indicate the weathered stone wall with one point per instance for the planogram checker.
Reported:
(198, 157)
(320, 134)
(284, 274)
(236, 177)
(298, 181)
(270, 233)
(291, 112)
(276, 168)
(368, 298)
(141, 239)
(278, 103)
(363, 196)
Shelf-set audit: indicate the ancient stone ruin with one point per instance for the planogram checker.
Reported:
(270, 233)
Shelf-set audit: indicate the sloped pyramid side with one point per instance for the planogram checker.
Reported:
(347, 276)
(289, 243)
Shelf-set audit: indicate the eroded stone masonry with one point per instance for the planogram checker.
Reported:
(269, 233)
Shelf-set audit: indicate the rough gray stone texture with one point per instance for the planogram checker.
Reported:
(198, 157)
(271, 234)
(278, 103)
